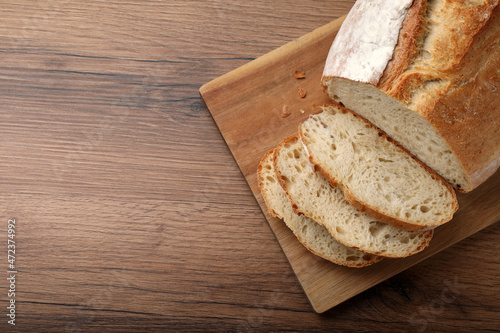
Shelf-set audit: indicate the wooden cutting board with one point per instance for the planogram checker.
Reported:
(247, 106)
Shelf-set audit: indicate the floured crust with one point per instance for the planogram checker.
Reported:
(368, 37)
(445, 67)
(372, 211)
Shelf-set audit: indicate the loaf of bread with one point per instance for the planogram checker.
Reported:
(311, 194)
(377, 175)
(428, 74)
(312, 235)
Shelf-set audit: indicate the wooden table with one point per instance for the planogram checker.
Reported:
(130, 211)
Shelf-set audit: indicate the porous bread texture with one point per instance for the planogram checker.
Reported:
(438, 95)
(312, 235)
(403, 125)
(312, 195)
(377, 175)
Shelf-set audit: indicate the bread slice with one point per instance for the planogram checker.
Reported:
(427, 79)
(312, 195)
(377, 175)
(312, 235)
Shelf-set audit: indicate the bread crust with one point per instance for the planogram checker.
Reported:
(366, 60)
(372, 211)
(448, 70)
(410, 38)
(261, 184)
(373, 258)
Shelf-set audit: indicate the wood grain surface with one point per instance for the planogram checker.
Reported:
(132, 215)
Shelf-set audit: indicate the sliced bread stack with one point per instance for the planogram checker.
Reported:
(313, 236)
(342, 185)
(312, 195)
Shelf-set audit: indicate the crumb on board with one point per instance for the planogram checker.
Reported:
(299, 74)
(302, 111)
(302, 92)
(285, 112)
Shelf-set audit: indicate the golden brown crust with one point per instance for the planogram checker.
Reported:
(373, 258)
(432, 45)
(468, 115)
(461, 59)
(407, 49)
(371, 211)
(261, 183)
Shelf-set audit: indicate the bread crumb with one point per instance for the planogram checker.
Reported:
(302, 111)
(285, 112)
(299, 75)
(302, 92)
